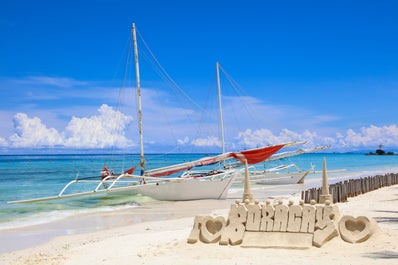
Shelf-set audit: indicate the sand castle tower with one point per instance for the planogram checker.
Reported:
(325, 185)
(247, 193)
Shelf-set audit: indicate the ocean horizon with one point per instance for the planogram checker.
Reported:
(113, 150)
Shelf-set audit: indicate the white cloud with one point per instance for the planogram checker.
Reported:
(3, 142)
(108, 128)
(104, 130)
(32, 133)
(365, 138)
(167, 122)
(183, 141)
(209, 141)
(370, 136)
(51, 81)
(263, 137)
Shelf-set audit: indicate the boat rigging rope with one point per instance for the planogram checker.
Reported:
(164, 74)
(264, 119)
(150, 58)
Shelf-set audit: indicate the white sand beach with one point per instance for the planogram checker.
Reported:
(157, 234)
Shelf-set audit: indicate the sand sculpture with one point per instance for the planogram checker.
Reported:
(265, 225)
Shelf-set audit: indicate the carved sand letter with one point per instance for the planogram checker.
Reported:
(294, 221)
(267, 221)
(325, 227)
(194, 235)
(308, 219)
(326, 214)
(253, 216)
(319, 217)
(235, 229)
(331, 211)
(238, 213)
(281, 216)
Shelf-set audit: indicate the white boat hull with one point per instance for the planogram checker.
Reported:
(188, 189)
(278, 178)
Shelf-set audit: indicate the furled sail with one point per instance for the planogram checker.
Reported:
(166, 171)
(252, 156)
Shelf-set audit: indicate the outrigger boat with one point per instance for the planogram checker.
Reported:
(280, 175)
(213, 185)
(285, 173)
(160, 183)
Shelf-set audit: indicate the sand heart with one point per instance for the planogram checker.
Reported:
(212, 228)
(355, 230)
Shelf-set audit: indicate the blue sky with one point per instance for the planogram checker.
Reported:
(323, 72)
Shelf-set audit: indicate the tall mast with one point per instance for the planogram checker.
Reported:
(220, 108)
(138, 85)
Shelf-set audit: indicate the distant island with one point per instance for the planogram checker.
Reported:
(381, 152)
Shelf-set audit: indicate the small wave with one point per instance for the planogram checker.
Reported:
(56, 215)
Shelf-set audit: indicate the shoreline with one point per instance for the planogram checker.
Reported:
(24, 237)
(84, 223)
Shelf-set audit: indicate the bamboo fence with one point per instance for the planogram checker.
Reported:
(341, 191)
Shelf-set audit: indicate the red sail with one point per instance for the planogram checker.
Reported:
(130, 171)
(258, 155)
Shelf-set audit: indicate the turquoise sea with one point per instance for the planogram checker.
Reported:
(32, 176)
